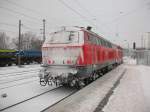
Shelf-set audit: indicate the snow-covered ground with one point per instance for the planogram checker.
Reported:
(41, 102)
(133, 92)
(131, 95)
(88, 98)
(20, 88)
(14, 76)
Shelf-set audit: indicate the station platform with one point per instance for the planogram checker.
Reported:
(124, 89)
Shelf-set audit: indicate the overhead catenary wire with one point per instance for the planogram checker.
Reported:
(7, 24)
(24, 20)
(124, 15)
(76, 12)
(4, 31)
(21, 6)
(16, 12)
(31, 10)
(82, 16)
(82, 7)
(95, 19)
(27, 27)
(28, 9)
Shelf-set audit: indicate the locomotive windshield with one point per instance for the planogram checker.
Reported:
(65, 37)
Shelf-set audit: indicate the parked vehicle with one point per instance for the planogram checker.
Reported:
(9, 57)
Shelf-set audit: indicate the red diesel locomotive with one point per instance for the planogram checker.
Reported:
(75, 56)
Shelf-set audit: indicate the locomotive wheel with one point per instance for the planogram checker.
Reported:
(79, 84)
(100, 74)
(49, 82)
(66, 84)
(9, 64)
(42, 82)
(87, 81)
(94, 76)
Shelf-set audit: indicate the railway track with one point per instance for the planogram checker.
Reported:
(19, 72)
(41, 101)
(26, 80)
(18, 84)
(16, 74)
(9, 80)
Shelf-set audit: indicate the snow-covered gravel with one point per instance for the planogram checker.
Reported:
(21, 92)
(19, 84)
(43, 101)
(22, 89)
(15, 76)
(16, 69)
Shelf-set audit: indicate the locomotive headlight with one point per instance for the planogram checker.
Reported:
(69, 61)
(51, 61)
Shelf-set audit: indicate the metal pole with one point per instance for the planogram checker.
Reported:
(19, 44)
(142, 41)
(43, 30)
(148, 40)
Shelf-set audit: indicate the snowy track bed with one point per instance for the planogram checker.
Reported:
(20, 90)
(28, 96)
(39, 102)
(15, 69)
(13, 76)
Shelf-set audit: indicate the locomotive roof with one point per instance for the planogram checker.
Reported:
(89, 31)
(77, 28)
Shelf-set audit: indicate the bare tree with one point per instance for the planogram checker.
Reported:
(4, 41)
(29, 41)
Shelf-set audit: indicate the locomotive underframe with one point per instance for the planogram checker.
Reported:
(73, 75)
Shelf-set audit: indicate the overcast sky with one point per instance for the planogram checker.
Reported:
(115, 20)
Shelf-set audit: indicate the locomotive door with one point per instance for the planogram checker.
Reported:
(93, 52)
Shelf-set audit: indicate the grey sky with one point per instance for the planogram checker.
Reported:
(116, 20)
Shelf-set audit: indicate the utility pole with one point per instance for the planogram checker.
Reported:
(19, 44)
(142, 41)
(148, 40)
(43, 30)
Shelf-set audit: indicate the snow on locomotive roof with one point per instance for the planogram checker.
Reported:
(77, 28)
(68, 28)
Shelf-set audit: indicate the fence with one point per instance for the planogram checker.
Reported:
(143, 57)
